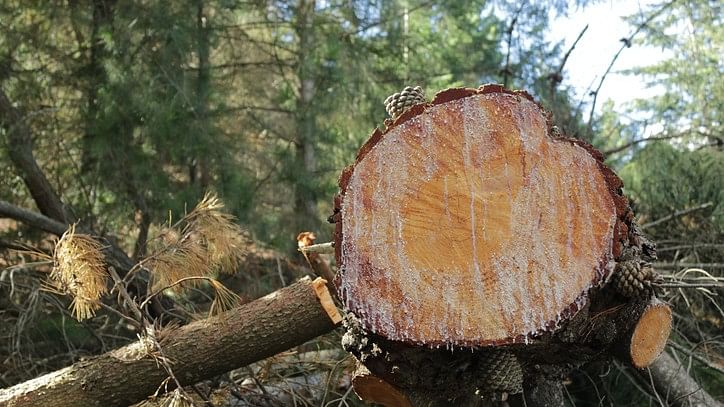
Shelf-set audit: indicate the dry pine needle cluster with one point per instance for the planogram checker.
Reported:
(205, 241)
(78, 270)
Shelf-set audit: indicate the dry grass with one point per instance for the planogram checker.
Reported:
(79, 271)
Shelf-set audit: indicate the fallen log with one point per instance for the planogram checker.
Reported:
(198, 351)
(674, 386)
(470, 223)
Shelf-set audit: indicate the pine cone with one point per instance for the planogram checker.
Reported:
(401, 101)
(501, 373)
(633, 279)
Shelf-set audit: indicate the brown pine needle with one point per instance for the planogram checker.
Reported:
(78, 270)
(179, 260)
(210, 241)
(224, 239)
(224, 299)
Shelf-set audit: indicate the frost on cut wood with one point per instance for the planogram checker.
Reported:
(481, 253)
(467, 223)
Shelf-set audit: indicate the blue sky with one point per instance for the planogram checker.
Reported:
(594, 51)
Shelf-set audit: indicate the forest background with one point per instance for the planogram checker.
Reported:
(121, 115)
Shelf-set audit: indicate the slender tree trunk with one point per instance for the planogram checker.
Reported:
(102, 16)
(305, 202)
(201, 161)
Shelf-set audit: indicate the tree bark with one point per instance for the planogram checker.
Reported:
(674, 386)
(198, 351)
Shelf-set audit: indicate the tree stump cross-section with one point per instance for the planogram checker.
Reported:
(466, 224)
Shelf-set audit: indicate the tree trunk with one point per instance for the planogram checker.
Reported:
(305, 202)
(470, 224)
(674, 386)
(203, 79)
(198, 351)
(102, 17)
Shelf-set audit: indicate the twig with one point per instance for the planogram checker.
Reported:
(279, 271)
(676, 214)
(321, 248)
(557, 76)
(175, 283)
(688, 285)
(688, 265)
(511, 28)
(690, 246)
(641, 140)
(696, 356)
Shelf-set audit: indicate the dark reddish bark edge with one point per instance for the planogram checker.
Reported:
(624, 232)
(198, 351)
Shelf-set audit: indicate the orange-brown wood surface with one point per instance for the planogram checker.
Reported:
(466, 223)
(650, 334)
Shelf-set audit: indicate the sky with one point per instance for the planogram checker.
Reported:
(597, 47)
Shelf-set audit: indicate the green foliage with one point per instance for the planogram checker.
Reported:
(662, 180)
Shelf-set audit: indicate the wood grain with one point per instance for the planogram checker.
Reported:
(465, 223)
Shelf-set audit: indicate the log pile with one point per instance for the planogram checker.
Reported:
(481, 252)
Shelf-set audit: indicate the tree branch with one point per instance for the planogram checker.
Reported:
(511, 27)
(641, 140)
(44, 223)
(20, 149)
(676, 215)
(33, 219)
(675, 385)
(557, 76)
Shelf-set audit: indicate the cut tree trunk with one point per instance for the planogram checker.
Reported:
(648, 338)
(198, 351)
(674, 386)
(470, 223)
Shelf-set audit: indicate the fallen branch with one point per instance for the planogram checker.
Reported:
(311, 252)
(674, 385)
(20, 150)
(198, 351)
(676, 214)
(31, 218)
(47, 224)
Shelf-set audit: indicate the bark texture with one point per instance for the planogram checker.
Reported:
(198, 351)
(674, 386)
